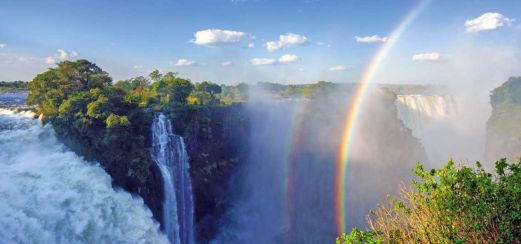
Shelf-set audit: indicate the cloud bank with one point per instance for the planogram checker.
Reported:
(60, 55)
(487, 21)
(218, 37)
(432, 57)
(288, 40)
(184, 62)
(284, 59)
(370, 39)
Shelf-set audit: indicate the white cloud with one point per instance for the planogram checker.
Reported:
(284, 59)
(290, 39)
(2, 45)
(226, 63)
(185, 62)
(251, 45)
(487, 21)
(370, 39)
(263, 61)
(138, 66)
(60, 56)
(50, 60)
(216, 37)
(339, 68)
(288, 58)
(432, 57)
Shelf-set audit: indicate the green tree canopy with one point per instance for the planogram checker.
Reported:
(51, 88)
(172, 88)
(207, 92)
(507, 93)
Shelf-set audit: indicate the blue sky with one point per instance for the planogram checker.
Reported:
(130, 38)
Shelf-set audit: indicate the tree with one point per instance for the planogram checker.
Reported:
(172, 88)
(155, 75)
(206, 93)
(51, 88)
(321, 87)
(244, 89)
(136, 83)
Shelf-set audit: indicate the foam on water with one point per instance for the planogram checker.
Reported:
(49, 194)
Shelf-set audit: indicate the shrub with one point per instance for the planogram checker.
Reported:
(451, 205)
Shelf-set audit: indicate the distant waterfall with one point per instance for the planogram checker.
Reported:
(48, 194)
(417, 111)
(170, 155)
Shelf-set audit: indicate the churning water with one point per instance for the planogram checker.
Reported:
(49, 194)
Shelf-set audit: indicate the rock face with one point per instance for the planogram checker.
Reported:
(219, 141)
(504, 124)
(214, 139)
(116, 162)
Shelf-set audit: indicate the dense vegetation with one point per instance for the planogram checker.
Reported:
(503, 126)
(507, 93)
(80, 100)
(110, 123)
(450, 205)
(13, 85)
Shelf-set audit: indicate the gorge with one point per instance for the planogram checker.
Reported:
(260, 161)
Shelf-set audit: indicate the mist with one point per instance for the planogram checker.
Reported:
(468, 72)
(286, 189)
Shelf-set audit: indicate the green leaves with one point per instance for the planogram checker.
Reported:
(117, 121)
(358, 237)
(172, 89)
(452, 204)
(49, 89)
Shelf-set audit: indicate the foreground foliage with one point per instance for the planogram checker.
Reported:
(450, 205)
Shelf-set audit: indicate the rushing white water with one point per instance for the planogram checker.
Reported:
(417, 111)
(49, 194)
(170, 155)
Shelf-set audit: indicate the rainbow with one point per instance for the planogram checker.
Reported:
(291, 161)
(354, 111)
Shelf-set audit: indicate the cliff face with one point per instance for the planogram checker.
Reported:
(218, 140)
(504, 124)
(116, 151)
(214, 137)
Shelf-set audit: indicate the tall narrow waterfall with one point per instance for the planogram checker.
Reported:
(170, 155)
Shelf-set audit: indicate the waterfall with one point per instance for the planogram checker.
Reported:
(417, 111)
(48, 194)
(170, 155)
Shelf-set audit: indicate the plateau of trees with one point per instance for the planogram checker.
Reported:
(111, 121)
(450, 205)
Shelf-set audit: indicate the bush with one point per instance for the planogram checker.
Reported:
(451, 205)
